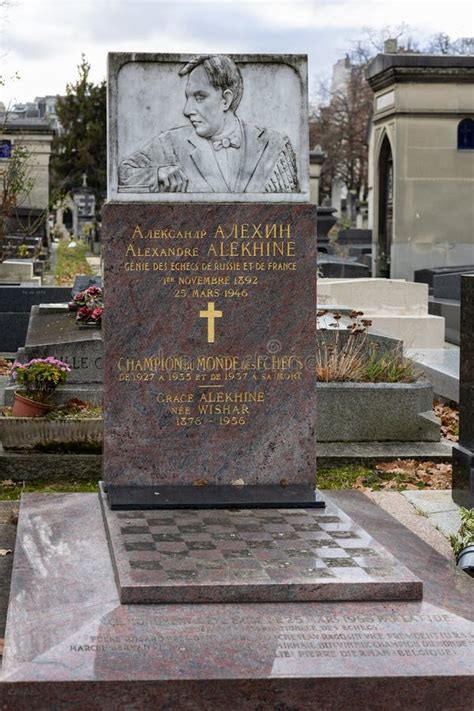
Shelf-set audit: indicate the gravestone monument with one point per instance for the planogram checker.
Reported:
(210, 282)
(210, 335)
(209, 392)
(15, 306)
(84, 207)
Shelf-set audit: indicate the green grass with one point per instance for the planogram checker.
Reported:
(71, 261)
(345, 477)
(341, 477)
(13, 491)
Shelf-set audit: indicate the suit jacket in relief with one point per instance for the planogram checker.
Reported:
(267, 165)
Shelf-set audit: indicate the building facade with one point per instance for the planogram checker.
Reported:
(35, 135)
(421, 162)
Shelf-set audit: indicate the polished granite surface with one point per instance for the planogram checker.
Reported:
(257, 555)
(71, 644)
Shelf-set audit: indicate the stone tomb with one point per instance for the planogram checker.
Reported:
(209, 378)
(333, 267)
(15, 307)
(53, 330)
(71, 643)
(209, 321)
(84, 281)
(175, 342)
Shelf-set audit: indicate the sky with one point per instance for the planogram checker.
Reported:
(41, 41)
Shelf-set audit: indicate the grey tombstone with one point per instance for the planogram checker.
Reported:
(446, 301)
(450, 310)
(463, 453)
(18, 270)
(15, 305)
(52, 331)
(447, 286)
(84, 209)
(326, 220)
(341, 267)
(84, 281)
(427, 275)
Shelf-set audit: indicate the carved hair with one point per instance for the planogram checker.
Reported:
(223, 74)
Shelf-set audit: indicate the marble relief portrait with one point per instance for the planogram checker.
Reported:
(214, 146)
(216, 151)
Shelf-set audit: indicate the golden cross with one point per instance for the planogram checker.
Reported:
(211, 315)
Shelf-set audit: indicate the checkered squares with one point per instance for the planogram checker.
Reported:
(255, 546)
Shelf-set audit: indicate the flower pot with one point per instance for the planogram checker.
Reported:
(25, 407)
(465, 560)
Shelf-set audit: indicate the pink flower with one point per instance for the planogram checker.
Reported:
(97, 314)
(94, 291)
(84, 313)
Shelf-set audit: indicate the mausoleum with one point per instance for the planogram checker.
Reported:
(421, 162)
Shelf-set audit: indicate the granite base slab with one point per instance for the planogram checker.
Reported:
(250, 555)
(268, 496)
(71, 644)
(463, 476)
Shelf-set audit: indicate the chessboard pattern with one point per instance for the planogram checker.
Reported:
(259, 547)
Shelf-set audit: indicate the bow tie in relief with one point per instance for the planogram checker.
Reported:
(226, 142)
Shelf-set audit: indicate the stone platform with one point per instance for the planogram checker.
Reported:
(71, 644)
(250, 555)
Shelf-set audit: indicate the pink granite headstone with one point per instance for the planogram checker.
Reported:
(210, 283)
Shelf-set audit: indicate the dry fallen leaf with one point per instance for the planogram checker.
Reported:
(5, 366)
(359, 484)
(402, 474)
(399, 466)
(200, 482)
(5, 551)
(449, 418)
(2, 643)
(238, 482)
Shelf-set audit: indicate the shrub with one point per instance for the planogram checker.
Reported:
(22, 251)
(348, 355)
(465, 535)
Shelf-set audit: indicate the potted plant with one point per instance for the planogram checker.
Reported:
(89, 307)
(37, 380)
(463, 542)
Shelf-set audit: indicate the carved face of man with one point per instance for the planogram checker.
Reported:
(205, 105)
